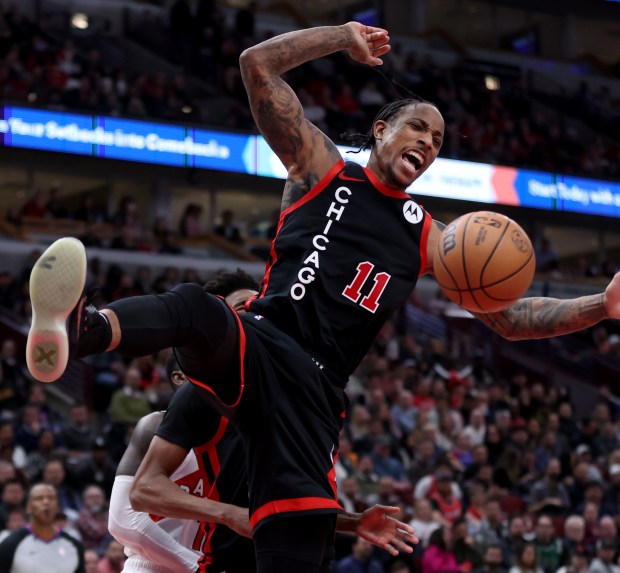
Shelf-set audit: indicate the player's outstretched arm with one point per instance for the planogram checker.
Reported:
(304, 150)
(377, 526)
(543, 317)
(135, 529)
(153, 491)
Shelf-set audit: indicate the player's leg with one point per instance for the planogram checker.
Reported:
(293, 543)
(64, 324)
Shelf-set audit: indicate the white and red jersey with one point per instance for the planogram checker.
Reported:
(188, 477)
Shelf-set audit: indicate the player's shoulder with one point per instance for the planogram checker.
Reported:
(146, 426)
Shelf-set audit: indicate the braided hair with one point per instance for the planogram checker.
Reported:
(367, 140)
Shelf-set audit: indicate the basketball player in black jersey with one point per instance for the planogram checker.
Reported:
(349, 249)
(194, 474)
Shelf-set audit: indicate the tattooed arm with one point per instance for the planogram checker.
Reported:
(544, 317)
(306, 152)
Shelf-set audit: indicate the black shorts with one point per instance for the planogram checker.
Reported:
(289, 409)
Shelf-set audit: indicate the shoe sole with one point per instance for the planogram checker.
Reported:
(56, 285)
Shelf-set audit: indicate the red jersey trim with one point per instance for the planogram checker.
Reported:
(288, 505)
(273, 256)
(207, 529)
(426, 229)
(389, 191)
(208, 388)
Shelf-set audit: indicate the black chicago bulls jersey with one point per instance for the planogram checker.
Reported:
(345, 256)
(191, 423)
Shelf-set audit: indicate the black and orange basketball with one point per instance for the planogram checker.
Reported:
(484, 261)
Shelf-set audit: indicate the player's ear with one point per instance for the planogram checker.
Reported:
(378, 128)
(178, 377)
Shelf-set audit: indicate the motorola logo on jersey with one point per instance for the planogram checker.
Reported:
(307, 274)
(413, 212)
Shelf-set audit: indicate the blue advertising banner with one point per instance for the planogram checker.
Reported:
(185, 146)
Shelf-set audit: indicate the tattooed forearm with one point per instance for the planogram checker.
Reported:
(543, 317)
(293, 49)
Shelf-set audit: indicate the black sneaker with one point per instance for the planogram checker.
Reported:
(58, 306)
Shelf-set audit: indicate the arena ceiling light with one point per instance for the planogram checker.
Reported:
(80, 21)
(491, 82)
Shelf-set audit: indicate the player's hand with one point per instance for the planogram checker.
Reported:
(368, 44)
(377, 527)
(612, 297)
(238, 519)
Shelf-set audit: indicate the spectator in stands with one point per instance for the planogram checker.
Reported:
(92, 521)
(9, 290)
(77, 433)
(37, 397)
(357, 428)
(549, 494)
(347, 459)
(54, 208)
(91, 561)
(550, 549)
(575, 534)
(492, 561)
(113, 560)
(515, 539)
(129, 404)
(127, 215)
(366, 477)
(9, 450)
(423, 461)
(526, 561)
(13, 498)
(16, 519)
(439, 557)
(607, 441)
(12, 379)
(69, 500)
(35, 206)
(98, 468)
(89, 212)
(29, 429)
(349, 496)
(612, 495)
(546, 258)
(360, 560)
(385, 494)
(46, 447)
(476, 429)
(228, 228)
(384, 462)
(594, 494)
(492, 530)
(604, 560)
(463, 546)
(443, 499)
(424, 521)
(190, 224)
(475, 513)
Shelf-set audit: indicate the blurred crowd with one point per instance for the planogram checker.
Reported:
(123, 227)
(510, 125)
(496, 474)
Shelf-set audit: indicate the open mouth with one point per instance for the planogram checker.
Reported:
(413, 160)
